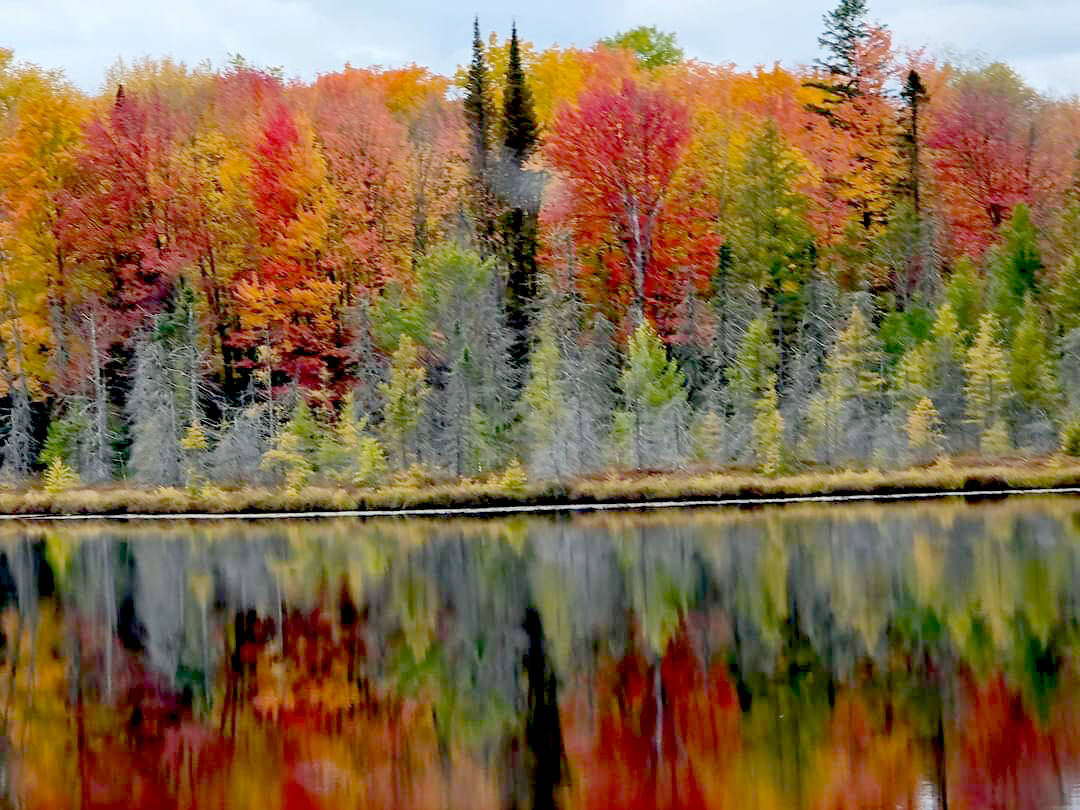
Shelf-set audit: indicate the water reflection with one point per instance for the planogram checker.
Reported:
(906, 656)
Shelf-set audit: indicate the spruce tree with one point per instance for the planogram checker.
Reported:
(404, 394)
(518, 223)
(654, 397)
(519, 127)
(846, 27)
(479, 121)
(768, 430)
(987, 382)
(1031, 370)
(915, 96)
(1014, 268)
(544, 407)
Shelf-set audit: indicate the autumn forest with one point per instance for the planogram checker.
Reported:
(555, 263)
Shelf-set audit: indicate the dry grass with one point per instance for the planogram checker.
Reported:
(410, 494)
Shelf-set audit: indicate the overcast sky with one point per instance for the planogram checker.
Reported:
(306, 37)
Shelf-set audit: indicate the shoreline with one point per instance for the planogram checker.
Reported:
(479, 499)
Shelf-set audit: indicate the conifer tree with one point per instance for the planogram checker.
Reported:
(544, 408)
(773, 245)
(846, 411)
(846, 27)
(1065, 294)
(1014, 268)
(915, 96)
(654, 397)
(296, 447)
(987, 381)
(155, 448)
(924, 431)
(1031, 372)
(479, 121)
(404, 394)
(964, 293)
(519, 222)
(768, 430)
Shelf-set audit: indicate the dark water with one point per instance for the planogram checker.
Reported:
(871, 656)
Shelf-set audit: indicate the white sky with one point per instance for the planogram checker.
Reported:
(305, 37)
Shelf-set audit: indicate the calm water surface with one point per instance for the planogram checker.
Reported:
(868, 656)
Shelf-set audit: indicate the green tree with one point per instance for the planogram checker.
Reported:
(654, 396)
(987, 381)
(924, 429)
(520, 131)
(845, 412)
(964, 292)
(295, 449)
(773, 245)
(404, 395)
(1065, 295)
(768, 430)
(1031, 371)
(544, 406)
(1014, 267)
(846, 28)
(652, 47)
(518, 223)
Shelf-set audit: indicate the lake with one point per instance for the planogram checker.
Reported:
(908, 655)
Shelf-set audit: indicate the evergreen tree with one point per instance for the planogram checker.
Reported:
(987, 381)
(654, 397)
(519, 127)
(296, 447)
(1014, 267)
(768, 430)
(915, 96)
(924, 431)
(773, 245)
(479, 121)
(846, 411)
(846, 27)
(404, 394)
(1031, 372)
(477, 106)
(518, 224)
(964, 293)
(544, 408)
(1065, 295)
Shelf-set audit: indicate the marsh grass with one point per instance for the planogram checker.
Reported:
(425, 491)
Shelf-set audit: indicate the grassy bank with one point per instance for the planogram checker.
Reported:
(625, 488)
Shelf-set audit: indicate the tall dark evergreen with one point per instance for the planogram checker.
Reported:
(520, 131)
(915, 96)
(519, 220)
(478, 118)
(478, 106)
(846, 27)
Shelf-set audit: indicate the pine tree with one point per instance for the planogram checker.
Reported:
(964, 293)
(987, 381)
(773, 245)
(1031, 370)
(846, 28)
(518, 224)
(479, 120)
(477, 106)
(654, 397)
(1065, 295)
(295, 451)
(768, 430)
(924, 431)
(519, 127)
(915, 96)
(1014, 268)
(846, 412)
(404, 394)
(544, 408)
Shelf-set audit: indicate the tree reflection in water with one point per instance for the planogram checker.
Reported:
(848, 657)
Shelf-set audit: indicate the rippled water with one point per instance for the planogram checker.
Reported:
(867, 656)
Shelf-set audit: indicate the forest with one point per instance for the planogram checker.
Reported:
(556, 263)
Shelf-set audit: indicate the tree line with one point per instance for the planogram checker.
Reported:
(555, 263)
